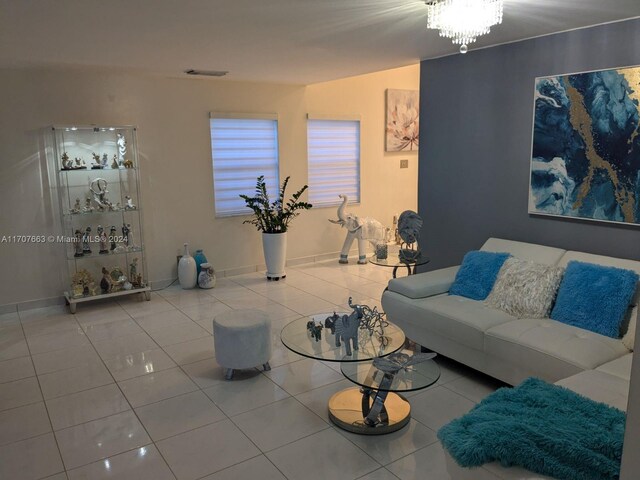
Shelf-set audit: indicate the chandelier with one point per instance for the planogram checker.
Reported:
(463, 20)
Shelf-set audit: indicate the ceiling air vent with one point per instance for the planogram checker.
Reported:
(207, 73)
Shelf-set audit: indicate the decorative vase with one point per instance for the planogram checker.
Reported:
(200, 258)
(207, 276)
(381, 251)
(187, 271)
(274, 246)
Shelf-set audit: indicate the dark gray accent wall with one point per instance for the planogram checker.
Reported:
(475, 144)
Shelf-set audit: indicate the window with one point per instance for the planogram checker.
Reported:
(333, 148)
(243, 147)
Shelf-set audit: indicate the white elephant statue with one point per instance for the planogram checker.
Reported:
(361, 229)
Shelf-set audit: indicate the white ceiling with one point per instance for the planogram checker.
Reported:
(284, 41)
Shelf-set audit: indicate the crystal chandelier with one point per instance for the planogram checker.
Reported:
(463, 20)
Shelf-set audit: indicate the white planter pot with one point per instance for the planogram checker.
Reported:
(275, 254)
(187, 270)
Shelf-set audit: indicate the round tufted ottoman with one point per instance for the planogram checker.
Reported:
(242, 340)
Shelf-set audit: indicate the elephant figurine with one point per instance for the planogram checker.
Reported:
(347, 328)
(361, 229)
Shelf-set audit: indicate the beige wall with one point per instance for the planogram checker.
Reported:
(174, 143)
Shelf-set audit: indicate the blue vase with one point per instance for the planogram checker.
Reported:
(200, 258)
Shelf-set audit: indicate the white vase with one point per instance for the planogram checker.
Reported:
(275, 254)
(187, 270)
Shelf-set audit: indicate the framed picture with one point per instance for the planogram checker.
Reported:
(403, 120)
(585, 155)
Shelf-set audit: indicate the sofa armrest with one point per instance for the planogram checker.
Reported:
(426, 284)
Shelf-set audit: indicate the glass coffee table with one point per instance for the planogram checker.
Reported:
(350, 408)
(383, 409)
(393, 261)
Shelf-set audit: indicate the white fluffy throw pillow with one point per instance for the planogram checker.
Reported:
(525, 289)
(630, 337)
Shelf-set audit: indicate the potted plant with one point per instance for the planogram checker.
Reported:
(272, 219)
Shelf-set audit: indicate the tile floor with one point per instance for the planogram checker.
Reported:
(131, 390)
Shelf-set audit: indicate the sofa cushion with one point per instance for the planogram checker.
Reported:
(606, 261)
(477, 274)
(530, 341)
(620, 367)
(595, 297)
(525, 288)
(457, 318)
(524, 251)
(599, 386)
(425, 284)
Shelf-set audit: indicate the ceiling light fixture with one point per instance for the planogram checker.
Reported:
(206, 73)
(463, 20)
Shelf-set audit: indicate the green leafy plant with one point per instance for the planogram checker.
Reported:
(274, 217)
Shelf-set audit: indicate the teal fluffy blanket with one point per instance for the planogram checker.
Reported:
(544, 428)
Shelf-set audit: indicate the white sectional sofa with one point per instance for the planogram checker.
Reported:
(508, 348)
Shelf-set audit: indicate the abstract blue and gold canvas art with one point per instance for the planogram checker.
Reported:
(585, 160)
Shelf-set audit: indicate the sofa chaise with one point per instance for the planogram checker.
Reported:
(508, 348)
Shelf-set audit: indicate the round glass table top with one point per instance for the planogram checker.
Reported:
(393, 260)
(298, 338)
(405, 379)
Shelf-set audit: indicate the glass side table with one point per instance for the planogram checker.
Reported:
(382, 408)
(394, 262)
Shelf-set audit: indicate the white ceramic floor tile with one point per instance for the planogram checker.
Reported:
(308, 306)
(96, 313)
(256, 468)
(19, 392)
(193, 297)
(317, 400)
(57, 341)
(178, 415)
(281, 355)
(156, 321)
(240, 396)
(299, 461)
(191, 351)
(9, 319)
(49, 325)
(124, 367)
(206, 311)
(178, 334)
(156, 386)
(393, 446)
(74, 380)
(426, 463)
(23, 422)
(476, 388)
(137, 307)
(34, 314)
(16, 369)
(381, 474)
(438, 406)
(111, 330)
(65, 359)
(85, 406)
(139, 342)
(88, 442)
(30, 459)
(58, 476)
(303, 376)
(207, 373)
(279, 423)
(144, 463)
(206, 450)
(12, 345)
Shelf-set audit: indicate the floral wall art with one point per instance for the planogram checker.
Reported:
(585, 160)
(403, 120)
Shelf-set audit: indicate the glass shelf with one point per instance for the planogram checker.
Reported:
(123, 169)
(105, 255)
(104, 212)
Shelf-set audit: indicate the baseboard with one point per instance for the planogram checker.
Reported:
(162, 284)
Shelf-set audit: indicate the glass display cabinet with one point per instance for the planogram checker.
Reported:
(94, 181)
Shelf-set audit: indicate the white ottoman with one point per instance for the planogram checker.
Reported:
(242, 340)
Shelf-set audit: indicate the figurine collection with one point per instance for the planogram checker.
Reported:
(112, 243)
(114, 280)
(96, 163)
(99, 202)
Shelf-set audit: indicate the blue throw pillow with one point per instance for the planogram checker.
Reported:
(477, 274)
(594, 297)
